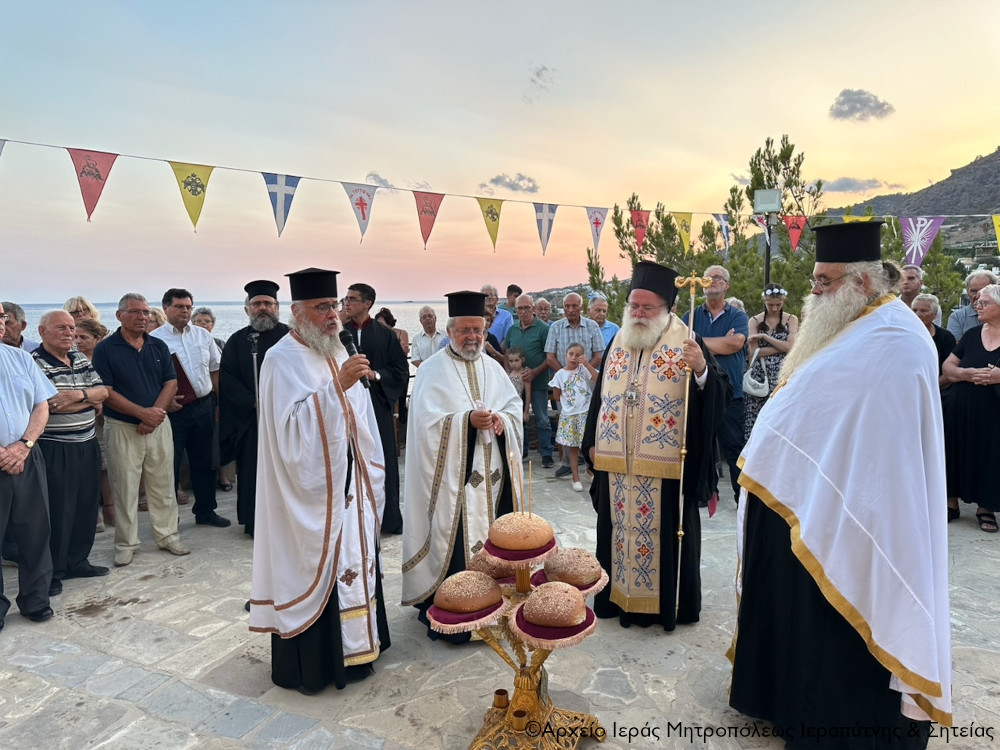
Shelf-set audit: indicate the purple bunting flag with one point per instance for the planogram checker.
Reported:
(918, 234)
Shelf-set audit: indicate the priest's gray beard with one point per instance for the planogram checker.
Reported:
(470, 351)
(643, 333)
(264, 321)
(324, 341)
(823, 317)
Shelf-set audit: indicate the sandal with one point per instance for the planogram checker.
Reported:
(142, 502)
(953, 514)
(225, 486)
(987, 522)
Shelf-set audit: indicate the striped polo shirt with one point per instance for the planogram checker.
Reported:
(79, 426)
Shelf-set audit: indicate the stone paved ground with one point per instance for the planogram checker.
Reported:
(158, 655)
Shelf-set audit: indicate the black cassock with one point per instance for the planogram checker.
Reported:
(705, 409)
(386, 357)
(237, 415)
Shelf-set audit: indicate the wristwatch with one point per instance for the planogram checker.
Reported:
(378, 377)
(29, 443)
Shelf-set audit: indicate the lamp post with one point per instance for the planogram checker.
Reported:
(768, 202)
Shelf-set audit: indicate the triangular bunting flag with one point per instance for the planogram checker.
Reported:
(795, 226)
(918, 234)
(427, 211)
(848, 218)
(491, 215)
(361, 198)
(996, 226)
(281, 190)
(596, 217)
(760, 220)
(640, 222)
(723, 220)
(192, 179)
(92, 170)
(545, 214)
(683, 220)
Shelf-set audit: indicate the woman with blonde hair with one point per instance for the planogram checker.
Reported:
(81, 309)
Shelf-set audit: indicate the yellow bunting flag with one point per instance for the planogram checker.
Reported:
(849, 219)
(491, 215)
(192, 179)
(683, 219)
(996, 225)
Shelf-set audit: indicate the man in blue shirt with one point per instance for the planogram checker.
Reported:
(24, 393)
(725, 330)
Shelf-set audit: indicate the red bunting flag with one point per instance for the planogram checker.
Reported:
(795, 226)
(640, 221)
(92, 170)
(427, 211)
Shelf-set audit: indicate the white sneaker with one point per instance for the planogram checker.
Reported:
(577, 487)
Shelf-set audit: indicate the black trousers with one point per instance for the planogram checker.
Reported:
(193, 428)
(73, 472)
(732, 440)
(246, 480)
(24, 509)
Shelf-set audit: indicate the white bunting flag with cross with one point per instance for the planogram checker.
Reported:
(361, 198)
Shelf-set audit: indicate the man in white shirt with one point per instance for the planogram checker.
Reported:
(428, 341)
(192, 411)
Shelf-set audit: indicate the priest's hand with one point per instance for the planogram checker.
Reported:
(497, 424)
(692, 355)
(481, 419)
(353, 369)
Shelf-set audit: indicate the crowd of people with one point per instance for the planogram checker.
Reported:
(648, 408)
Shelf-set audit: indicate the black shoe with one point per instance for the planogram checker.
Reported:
(87, 571)
(55, 588)
(212, 519)
(247, 606)
(40, 615)
(547, 462)
(563, 471)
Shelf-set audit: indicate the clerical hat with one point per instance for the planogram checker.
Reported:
(850, 242)
(261, 288)
(313, 283)
(466, 304)
(657, 279)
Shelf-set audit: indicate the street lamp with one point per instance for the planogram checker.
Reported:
(768, 202)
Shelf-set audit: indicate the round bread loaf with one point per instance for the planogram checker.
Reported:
(468, 591)
(555, 605)
(491, 566)
(574, 566)
(520, 531)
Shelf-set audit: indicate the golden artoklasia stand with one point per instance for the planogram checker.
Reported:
(528, 719)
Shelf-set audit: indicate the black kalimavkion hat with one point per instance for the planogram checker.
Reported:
(851, 242)
(313, 283)
(466, 304)
(261, 288)
(657, 279)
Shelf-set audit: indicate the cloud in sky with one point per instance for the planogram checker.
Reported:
(374, 178)
(541, 79)
(519, 183)
(860, 105)
(858, 185)
(741, 180)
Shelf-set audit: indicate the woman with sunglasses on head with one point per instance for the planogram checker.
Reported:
(772, 334)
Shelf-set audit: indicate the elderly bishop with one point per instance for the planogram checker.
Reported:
(634, 439)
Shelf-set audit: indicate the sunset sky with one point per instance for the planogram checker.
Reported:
(574, 103)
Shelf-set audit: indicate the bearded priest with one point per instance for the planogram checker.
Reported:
(463, 441)
(843, 629)
(633, 440)
(317, 582)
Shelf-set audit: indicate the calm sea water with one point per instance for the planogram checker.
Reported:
(230, 316)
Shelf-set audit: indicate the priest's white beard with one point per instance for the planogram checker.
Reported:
(643, 333)
(823, 317)
(324, 341)
(470, 351)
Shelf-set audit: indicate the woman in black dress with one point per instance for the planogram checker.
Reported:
(926, 307)
(772, 334)
(972, 413)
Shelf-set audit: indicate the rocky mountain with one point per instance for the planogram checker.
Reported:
(972, 189)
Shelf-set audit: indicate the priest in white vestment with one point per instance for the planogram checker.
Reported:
(463, 446)
(843, 633)
(320, 475)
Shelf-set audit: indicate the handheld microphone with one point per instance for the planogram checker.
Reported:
(348, 341)
(253, 337)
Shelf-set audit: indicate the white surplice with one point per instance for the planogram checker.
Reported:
(850, 452)
(446, 390)
(311, 535)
